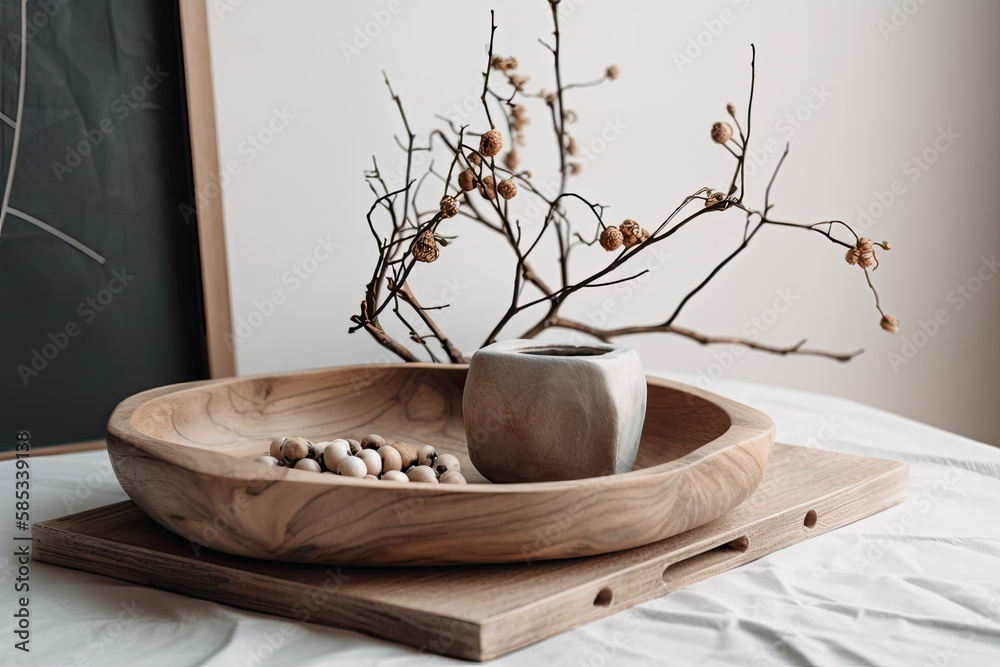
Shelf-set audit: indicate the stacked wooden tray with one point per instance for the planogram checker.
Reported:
(182, 454)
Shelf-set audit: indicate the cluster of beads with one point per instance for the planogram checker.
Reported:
(372, 457)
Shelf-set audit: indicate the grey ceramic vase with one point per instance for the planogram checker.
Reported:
(539, 412)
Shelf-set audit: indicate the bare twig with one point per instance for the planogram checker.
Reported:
(453, 353)
(607, 335)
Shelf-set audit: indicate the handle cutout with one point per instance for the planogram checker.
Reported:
(706, 559)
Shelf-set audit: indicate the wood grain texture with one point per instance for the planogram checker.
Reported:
(184, 455)
(480, 612)
(71, 448)
(205, 165)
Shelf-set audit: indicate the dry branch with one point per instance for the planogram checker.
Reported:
(407, 237)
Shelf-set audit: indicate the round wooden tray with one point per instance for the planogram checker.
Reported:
(184, 454)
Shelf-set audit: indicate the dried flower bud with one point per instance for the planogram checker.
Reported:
(731, 109)
(575, 168)
(518, 81)
(890, 324)
(571, 147)
(488, 188)
(449, 207)
(467, 180)
(503, 63)
(629, 227)
(611, 239)
(475, 159)
(862, 254)
(722, 132)
(714, 198)
(885, 245)
(425, 249)
(632, 233)
(612, 72)
(569, 116)
(511, 160)
(866, 253)
(549, 97)
(507, 188)
(519, 111)
(490, 143)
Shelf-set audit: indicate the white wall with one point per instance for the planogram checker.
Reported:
(886, 95)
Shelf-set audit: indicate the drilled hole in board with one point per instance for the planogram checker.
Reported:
(810, 519)
(603, 598)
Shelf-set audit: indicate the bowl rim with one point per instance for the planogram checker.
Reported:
(747, 426)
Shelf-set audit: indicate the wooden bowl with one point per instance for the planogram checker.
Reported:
(185, 454)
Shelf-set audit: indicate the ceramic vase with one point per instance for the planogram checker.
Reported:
(537, 412)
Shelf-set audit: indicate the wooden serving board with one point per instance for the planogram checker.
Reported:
(482, 612)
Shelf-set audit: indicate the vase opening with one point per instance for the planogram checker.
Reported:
(564, 351)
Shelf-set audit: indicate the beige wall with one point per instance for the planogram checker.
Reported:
(862, 89)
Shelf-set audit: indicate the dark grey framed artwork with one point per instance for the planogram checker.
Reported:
(100, 292)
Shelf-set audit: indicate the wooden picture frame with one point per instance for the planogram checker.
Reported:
(203, 139)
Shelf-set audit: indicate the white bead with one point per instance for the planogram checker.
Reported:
(372, 461)
(308, 464)
(391, 460)
(453, 477)
(422, 474)
(335, 452)
(269, 460)
(426, 455)
(394, 476)
(352, 466)
(275, 449)
(446, 463)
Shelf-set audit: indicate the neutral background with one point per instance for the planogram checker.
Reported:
(860, 89)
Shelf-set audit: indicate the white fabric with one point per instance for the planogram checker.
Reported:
(916, 585)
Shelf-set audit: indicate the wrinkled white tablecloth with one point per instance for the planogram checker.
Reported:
(882, 591)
